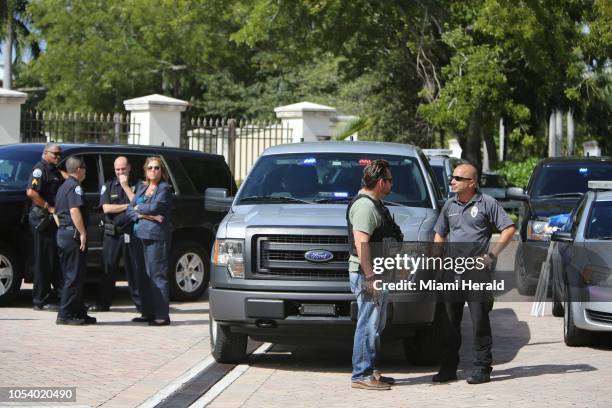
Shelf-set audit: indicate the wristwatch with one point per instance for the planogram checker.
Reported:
(492, 256)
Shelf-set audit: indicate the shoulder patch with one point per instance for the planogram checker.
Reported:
(103, 190)
(37, 173)
(78, 190)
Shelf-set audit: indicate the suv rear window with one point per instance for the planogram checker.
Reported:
(559, 179)
(329, 177)
(209, 173)
(15, 169)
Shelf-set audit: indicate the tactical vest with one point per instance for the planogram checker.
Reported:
(388, 228)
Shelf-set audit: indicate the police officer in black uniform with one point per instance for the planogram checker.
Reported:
(115, 196)
(44, 182)
(71, 217)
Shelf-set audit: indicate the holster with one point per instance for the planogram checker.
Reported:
(110, 229)
(43, 217)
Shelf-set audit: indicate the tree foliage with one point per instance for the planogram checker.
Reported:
(416, 72)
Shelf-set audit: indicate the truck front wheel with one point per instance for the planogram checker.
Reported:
(227, 347)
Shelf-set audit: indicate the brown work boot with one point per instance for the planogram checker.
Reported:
(370, 384)
(383, 379)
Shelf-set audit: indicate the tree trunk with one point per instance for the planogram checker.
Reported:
(7, 51)
(473, 140)
(491, 150)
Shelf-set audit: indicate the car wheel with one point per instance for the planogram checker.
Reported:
(573, 336)
(424, 348)
(10, 274)
(189, 271)
(523, 284)
(227, 347)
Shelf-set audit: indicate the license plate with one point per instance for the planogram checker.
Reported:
(318, 310)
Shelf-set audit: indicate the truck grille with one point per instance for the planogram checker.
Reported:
(282, 257)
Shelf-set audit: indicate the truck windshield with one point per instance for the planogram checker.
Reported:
(569, 179)
(317, 178)
(15, 169)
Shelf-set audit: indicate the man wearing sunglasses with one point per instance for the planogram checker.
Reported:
(369, 221)
(43, 184)
(467, 219)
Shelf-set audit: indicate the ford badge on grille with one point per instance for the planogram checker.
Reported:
(318, 255)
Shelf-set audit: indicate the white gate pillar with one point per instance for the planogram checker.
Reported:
(309, 122)
(159, 119)
(10, 115)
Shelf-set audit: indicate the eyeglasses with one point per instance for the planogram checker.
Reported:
(153, 168)
(459, 178)
(389, 179)
(56, 154)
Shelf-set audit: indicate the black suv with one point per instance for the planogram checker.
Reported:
(555, 187)
(193, 228)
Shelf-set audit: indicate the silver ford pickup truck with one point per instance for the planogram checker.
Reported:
(279, 268)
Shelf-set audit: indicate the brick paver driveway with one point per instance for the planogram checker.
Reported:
(116, 362)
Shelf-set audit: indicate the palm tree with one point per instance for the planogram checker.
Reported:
(15, 31)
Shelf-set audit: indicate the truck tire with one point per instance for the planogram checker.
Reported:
(226, 347)
(523, 284)
(573, 336)
(189, 271)
(10, 274)
(424, 348)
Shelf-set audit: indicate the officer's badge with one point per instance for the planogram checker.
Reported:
(103, 189)
(474, 212)
(78, 190)
(37, 173)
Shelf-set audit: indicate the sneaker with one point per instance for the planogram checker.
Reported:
(444, 376)
(99, 308)
(480, 376)
(49, 307)
(383, 379)
(370, 383)
(89, 319)
(142, 319)
(159, 322)
(70, 321)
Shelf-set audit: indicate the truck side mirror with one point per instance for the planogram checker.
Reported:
(217, 199)
(562, 236)
(516, 193)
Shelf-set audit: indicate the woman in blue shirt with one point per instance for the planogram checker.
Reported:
(150, 209)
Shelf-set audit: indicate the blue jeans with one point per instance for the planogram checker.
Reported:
(371, 319)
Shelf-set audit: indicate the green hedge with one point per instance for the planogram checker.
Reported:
(518, 173)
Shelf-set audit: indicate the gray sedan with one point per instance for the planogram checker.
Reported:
(582, 267)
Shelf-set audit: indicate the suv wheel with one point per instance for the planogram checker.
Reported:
(573, 336)
(10, 275)
(227, 347)
(523, 284)
(424, 348)
(189, 271)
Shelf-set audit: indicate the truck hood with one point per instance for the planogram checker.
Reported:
(312, 215)
(553, 206)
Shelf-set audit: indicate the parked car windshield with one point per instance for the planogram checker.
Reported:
(600, 222)
(566, 179)
(15, 168)
(329, 178)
